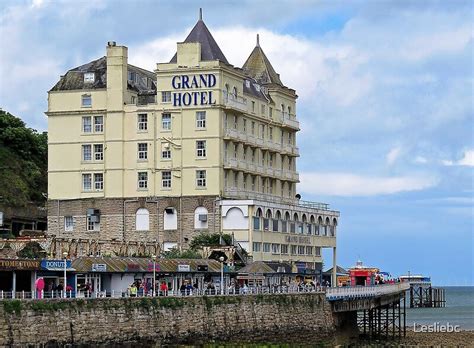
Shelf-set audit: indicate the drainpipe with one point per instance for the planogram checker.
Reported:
(123, 216)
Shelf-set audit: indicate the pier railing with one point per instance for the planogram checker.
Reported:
(331, 293)
(342, 293)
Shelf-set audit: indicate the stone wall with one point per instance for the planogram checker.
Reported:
(112, 220)
(166, 320)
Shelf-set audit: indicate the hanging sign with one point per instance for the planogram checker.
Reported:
(184, 268)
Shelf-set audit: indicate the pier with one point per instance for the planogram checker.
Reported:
(423, 294)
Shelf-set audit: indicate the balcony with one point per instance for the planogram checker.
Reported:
(289, 120)
(230, 163)
(237, 193)
(231, 101)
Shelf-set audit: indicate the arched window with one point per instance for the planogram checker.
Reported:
(295, 217)
(334, 222)
(287, 216)
(328, 222)
(303, 218)
(269, 214)
(170, 219)
(259, 213)
(200, 218)
(278, 215)
(142, 220)
(311, 219)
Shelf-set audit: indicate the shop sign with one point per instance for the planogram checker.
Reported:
(298, 239)
(150, 267)
(187, 82)
(99, 267)
(55, 265)
(184, 268)
(19, 264)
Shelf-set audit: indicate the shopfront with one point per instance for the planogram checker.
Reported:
(52, 272)
(18, 275)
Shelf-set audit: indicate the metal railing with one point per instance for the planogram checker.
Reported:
(339, 293)
(342, 293)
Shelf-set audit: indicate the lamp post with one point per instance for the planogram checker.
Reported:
(221, 259)
(154, 274)
(65, 276)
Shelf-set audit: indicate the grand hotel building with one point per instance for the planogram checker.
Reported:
(142, 161)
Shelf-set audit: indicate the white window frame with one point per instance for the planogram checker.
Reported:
(86, 101)
(87, 152)
(86, 126)
(98, 152)
(167, 152)
(256, 247)
(166, 125)
(98, 181)
(201, 178)
(69, 223)
(266, 247)
(89, 77)
(98, 126)
(142, 122)
(201, 119)
(166, 96)
(142, 149)
(201, 148)
(142, 180)
(87, 182)
(166, 180)
(92, 226)
(142, 219)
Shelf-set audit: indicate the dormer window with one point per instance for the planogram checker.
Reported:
(247, 83)
(89, 77)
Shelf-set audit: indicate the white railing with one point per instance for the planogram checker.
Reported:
(235, 102)
(365, 291)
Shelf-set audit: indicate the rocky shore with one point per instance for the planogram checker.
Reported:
(438, 339)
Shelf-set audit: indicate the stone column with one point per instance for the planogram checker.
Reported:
(334, 268)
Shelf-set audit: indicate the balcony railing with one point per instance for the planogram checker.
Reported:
(289, 120)
(234, 102)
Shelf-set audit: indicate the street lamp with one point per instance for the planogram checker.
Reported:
(65, 278)
(154, 274)
(221, 259)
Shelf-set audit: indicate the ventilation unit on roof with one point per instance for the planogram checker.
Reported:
(203, 217)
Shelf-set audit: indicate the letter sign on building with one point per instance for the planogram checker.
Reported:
(184, 82)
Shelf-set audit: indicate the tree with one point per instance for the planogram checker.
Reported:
(205, 239)
(175, 253)
(23, 162)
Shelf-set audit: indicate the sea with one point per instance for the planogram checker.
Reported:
(459, 310)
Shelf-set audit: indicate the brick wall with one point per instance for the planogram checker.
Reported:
(165, 320)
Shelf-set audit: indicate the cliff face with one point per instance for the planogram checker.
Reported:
(165, 320)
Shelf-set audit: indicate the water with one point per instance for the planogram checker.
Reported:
(459, 310)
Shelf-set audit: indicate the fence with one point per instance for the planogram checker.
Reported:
(331, 293)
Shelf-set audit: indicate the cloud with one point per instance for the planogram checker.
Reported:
(466, 160)
(420, 160)
(344, 184)
(392, 155)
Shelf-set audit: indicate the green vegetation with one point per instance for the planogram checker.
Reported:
(197, 243)
(175, 253)
(11, 306)
(23, 162)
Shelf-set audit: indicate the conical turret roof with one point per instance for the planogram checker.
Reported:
(209, 48)
(259, 67)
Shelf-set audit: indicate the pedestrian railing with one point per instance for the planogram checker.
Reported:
(331, 293)
(351, 292)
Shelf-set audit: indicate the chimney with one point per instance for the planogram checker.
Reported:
(117, 75)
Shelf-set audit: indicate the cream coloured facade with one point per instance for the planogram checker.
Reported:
(151, 158)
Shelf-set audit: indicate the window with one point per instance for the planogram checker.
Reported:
(68, 224)
(142, 151)
(142, 122)
(236, 180)
(235, 122)
(200, 119)
(245, 125)
(86, 124)
(300, 249)
(236, 149)
(166, 179)
(262, 131)
(201, 148)
(92, 223)
(166, 97)
(200, 178)
(98, 124)
(270, 133)
(166, 121)
(89, 77)
(98, 181)
(275, 248)
(253, 106)
(256, 247)
(170, 219)
(253, 128)
(284, 249)
(253, 155)
(98, 152)
(200, 218)
(270, 112)
(133, 99)
(253, 183)
(263, 109)
(317, 251)
(256, 223)
(86, 182)
(142, 180)
(282, 136)
(266, 247)
(293, 250)
(309, 250)
(142, 220)
(86, 100)
(166, 153)
(270, 160)
(86, 152)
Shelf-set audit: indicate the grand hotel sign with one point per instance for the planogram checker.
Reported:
(193, 90)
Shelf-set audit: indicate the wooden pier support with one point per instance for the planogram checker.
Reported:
(424, 295)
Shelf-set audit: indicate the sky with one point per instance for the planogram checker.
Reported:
(385, 103)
